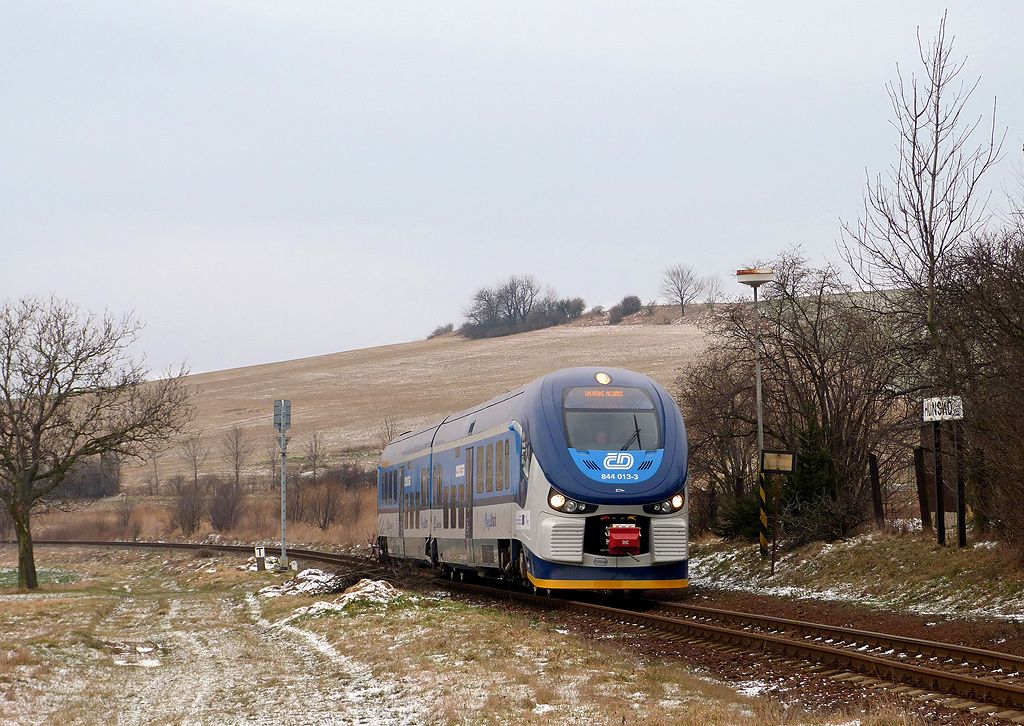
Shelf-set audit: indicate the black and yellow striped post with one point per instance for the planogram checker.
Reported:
(764, 514)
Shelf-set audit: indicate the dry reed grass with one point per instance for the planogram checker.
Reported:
(260, 521)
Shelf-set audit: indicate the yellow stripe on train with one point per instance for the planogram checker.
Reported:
(609, 584)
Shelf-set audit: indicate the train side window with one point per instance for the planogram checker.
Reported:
(499, 468)
(437, 485)
(421, 495)
(452, 504)
(462, 506)
(443, 504)
(469, 470)
(480, 470)
(490, 467)
(508, 467)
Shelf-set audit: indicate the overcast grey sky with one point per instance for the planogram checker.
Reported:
(264, 180)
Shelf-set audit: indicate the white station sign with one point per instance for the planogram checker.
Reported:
(944, 408)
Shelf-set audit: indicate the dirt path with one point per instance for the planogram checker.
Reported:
(162, 654)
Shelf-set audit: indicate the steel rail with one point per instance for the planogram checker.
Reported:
(852, 637)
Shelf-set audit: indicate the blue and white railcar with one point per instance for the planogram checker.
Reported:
(576, 480)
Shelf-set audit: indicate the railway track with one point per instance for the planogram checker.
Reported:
(959, 677)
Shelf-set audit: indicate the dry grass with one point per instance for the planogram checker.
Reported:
(345, 396)
(260, 521)
(480, 665)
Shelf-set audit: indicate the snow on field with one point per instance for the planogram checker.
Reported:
(738, 568)
(365, 591)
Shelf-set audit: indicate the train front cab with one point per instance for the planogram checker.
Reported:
(624, 526)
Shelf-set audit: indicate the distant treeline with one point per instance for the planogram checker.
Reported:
(516, 305)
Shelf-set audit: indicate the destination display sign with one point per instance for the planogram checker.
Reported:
(944, 408)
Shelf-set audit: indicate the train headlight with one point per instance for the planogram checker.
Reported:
(561, 503)
(668, 506)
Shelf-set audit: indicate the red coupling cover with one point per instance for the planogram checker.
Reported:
(623, 540)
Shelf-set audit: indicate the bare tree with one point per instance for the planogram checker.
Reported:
(6, 525)
(187, 506)
(325, 504)
(485, 308)
(681, 285)
(316, 455)
(125, 509)
(928, 205)
(712, 285)
(828, 370)
(193, 453)
(517, 297)
(154, 456)
(237, 450)
(68, 391)
(225, 507)
(388, 430)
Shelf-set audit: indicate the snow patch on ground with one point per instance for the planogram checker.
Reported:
(270, 563)
(365, 591)
(307, 582)
(739, 569)
(751, 689)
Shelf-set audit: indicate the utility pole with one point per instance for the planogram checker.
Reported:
(755, 277)
(283, 422)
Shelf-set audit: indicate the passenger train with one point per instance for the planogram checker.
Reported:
(576, 481)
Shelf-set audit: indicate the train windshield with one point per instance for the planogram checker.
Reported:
(611, 419)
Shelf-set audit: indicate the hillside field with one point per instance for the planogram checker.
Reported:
(345, 396)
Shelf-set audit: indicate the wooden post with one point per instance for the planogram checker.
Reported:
(940, 499)
(775, 517)
(763, 515)
(737, 487)
(922, 489)
(876, 491)
(961, 487)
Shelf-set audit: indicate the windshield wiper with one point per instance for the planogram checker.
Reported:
(635, 435)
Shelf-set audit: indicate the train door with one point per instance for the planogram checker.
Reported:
(468, 502)
(402, 507)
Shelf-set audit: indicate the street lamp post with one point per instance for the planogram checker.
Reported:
(755, 277)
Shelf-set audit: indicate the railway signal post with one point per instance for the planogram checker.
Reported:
(778, 464)
(935, 411)
(283, 422)
(755, 277)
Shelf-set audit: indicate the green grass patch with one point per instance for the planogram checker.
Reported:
(9, 577)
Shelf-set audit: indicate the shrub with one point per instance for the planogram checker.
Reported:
(630, 305)
(187, 508)
(225, 506)
(740, 518)
(441, 330)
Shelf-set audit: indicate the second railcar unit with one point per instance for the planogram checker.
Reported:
(576, 480)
